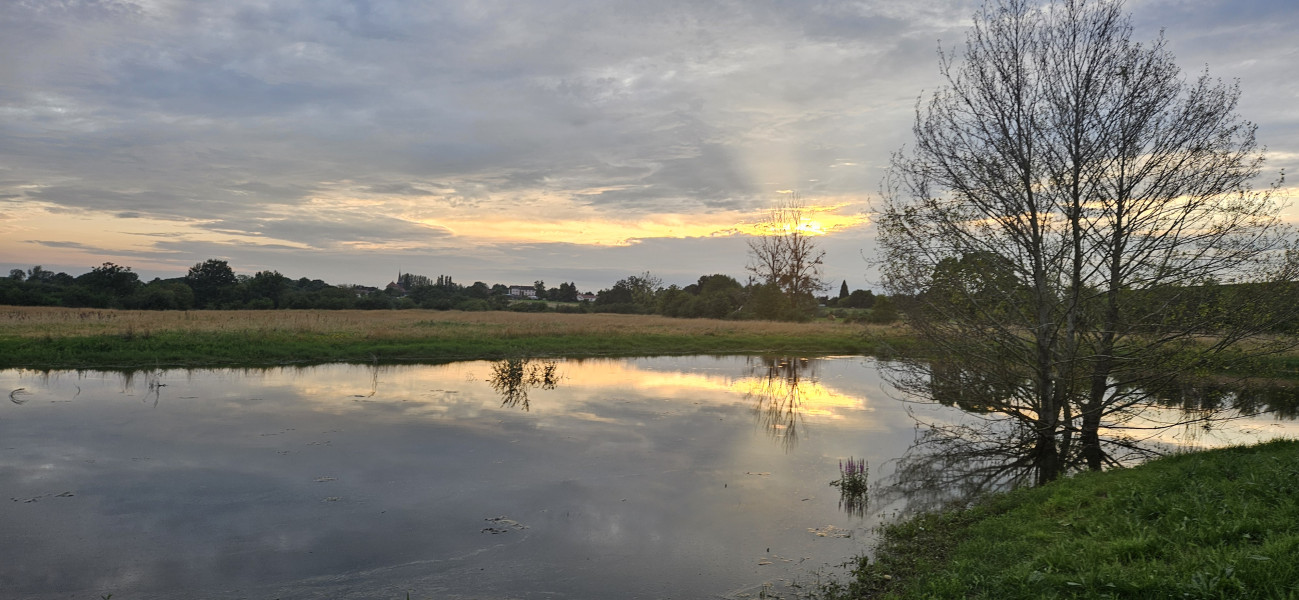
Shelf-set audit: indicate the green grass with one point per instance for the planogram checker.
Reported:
(1215, 524)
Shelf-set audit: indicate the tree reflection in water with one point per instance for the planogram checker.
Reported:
(513, 377)
(951, 464)
(1279, 398)
(778, 387)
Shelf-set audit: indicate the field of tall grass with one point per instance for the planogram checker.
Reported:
(40, 337)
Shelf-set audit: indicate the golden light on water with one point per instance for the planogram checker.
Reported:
(581, 383)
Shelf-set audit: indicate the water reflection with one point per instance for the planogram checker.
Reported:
(513, 377)
(949, 465)
(953, 462)
(778, 387)
(639, 477)
(1279, 398)
(635, 477)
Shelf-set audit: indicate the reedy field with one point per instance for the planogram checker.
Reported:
(42, 337)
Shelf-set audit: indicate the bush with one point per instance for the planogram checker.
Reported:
(884, 311)
(529, 306)
(473, 304)
(626, 308)
(260, 304)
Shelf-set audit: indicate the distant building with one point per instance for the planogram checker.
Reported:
(396, 288)
(523, 291)
(587, 297)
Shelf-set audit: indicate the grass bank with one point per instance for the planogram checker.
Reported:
(48, 338)
(1215, 524)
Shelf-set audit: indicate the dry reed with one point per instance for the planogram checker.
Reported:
(47, 322)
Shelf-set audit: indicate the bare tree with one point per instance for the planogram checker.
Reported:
(1068, 216)
(786, 254)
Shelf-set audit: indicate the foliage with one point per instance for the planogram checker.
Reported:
(883, 310)
(269, 286)
(767, 301)
(858, 299)
(111, 279)
(634, 294)
(213, 282)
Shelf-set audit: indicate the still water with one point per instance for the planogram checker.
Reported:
(683, 477)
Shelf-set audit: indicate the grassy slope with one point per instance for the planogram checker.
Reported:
(61, 338)
(1214, 524)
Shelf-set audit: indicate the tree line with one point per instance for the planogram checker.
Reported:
(213, 285)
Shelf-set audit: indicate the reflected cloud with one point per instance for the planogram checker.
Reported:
(364, 474)
(347, 476)
(786, 390)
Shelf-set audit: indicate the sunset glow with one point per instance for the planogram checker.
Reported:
(492, 143)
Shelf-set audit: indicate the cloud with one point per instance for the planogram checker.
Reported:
(55, 244)
(376, 128)
(334, 229)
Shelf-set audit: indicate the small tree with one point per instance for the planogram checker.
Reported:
(786, 254)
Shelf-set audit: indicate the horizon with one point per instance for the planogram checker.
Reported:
(553, 141)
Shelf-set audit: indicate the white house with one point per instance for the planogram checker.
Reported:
(523, 291)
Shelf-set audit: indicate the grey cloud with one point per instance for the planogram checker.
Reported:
(154, 203)
(403, 189)
(266, 191)
(330, 230)
(200, 88)
(219, 110)
(54, 244)
(677, 183)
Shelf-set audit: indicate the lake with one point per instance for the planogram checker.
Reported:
(674, 477)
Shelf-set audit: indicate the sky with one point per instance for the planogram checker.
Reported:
(495, 141)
